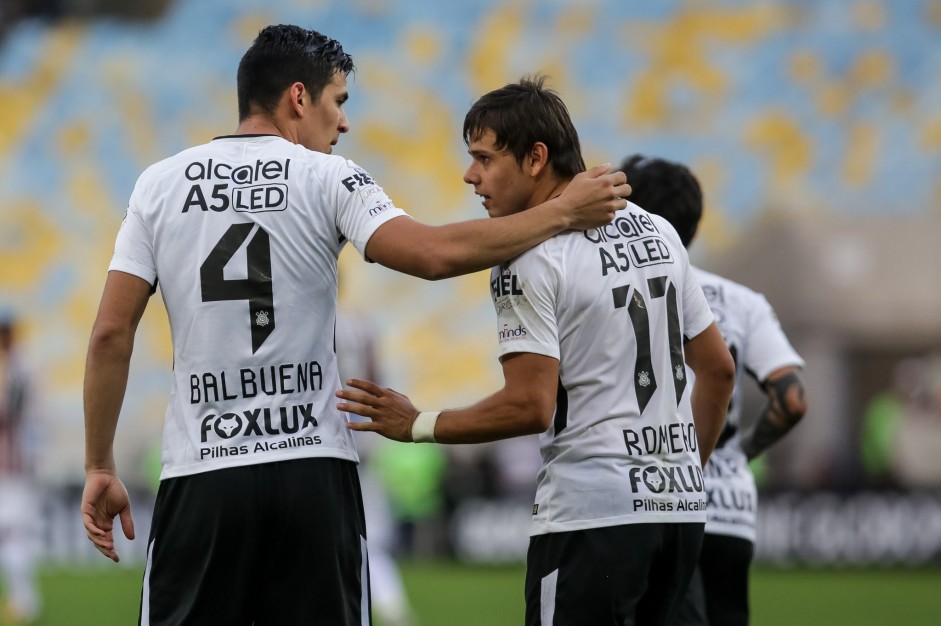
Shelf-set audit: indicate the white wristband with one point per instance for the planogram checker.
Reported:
(423, 428)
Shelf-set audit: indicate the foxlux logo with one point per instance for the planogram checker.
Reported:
(671, 479)
(512, 334)
(259, 422)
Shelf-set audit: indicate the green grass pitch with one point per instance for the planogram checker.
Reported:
(450, 594)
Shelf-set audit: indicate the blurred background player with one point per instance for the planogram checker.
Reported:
(718, 594)
(19, 506)
(901, 429)
(358, 356)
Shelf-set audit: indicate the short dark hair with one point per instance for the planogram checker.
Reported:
(523, 113)
(667, 189)
(7, 328)
(282, 55)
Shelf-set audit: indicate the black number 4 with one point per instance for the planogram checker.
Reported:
(645, 382)
(256, 288)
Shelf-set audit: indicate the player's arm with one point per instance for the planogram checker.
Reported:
(524, 406)
(785, 407)
(106, 370)
(435, 252)
(709, 358)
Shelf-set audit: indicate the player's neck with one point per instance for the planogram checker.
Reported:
(547, 190)
(261, 125)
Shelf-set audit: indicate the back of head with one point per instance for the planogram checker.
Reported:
(282, 55)
(7, 328)
(667, 189)
(520, 115)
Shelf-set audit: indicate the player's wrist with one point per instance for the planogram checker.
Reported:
(100, 471)
(557, 214)
(100, 465)
(423, 427)
(566, 211)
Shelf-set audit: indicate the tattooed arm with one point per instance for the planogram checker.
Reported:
(785, 407)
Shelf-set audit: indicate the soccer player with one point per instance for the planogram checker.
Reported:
(718, 594)
(259, 516)
(19, 506)
(358, 355)
(594, 329)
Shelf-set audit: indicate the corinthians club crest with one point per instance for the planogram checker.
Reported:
(679, 372)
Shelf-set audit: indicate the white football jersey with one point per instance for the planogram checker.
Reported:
(243, 235)
(613, 305)
(759, 347)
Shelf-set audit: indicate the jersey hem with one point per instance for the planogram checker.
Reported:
(545, 528)
(189, 470)
(712, 530)
(134, 269)
(763, 375)
(530, 348)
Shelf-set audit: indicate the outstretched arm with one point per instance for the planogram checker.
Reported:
(106, 369)
(524, 406)
(435, 252)
(786, 406)
(709, 358)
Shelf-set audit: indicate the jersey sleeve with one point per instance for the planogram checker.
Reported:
(768, 348)
(134, 246)
(362, 204)
(524, 294)
(696, 312)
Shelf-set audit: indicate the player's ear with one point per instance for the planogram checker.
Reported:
(297, 94)
(537, 159)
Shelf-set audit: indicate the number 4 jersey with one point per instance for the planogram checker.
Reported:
(614, 306)
(242, 235)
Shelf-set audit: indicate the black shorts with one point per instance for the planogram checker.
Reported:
(634, 574)
(718, 591)
(274, 544)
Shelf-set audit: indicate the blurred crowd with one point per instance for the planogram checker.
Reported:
(901, 428)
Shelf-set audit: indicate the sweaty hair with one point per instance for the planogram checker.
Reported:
(281, 56)
(667, 189)
(521, 114)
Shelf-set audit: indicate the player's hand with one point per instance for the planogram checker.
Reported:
(595, 195)
(105, 497)
(391, 412)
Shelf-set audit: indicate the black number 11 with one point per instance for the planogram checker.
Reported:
(645, 382)
(256, 288)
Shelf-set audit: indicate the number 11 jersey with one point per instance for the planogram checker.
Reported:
(613, 305)
(243, 235)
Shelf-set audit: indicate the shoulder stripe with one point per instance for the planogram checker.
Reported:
(561, 408)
